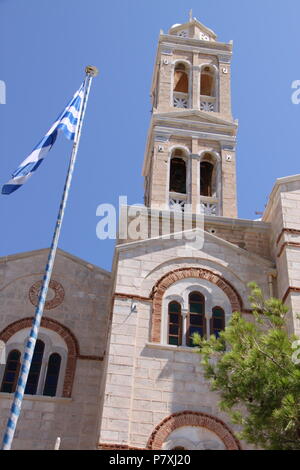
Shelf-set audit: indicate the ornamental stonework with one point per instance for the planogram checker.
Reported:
(56, 293)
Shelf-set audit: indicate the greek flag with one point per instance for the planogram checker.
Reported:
(67, 123)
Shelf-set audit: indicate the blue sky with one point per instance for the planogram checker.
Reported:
(45, 45)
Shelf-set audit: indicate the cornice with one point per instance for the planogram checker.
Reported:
(256, 225)
(194, 133)
(223, 56)
(207, 117)
(29, 254)
(230, 128)
(197, 45)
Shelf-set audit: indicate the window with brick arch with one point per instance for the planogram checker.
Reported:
(11, 372)
(181, 80)
(48, 368)
(174, 323)
(217, 322)
(177, 173)
(196, 321)
(207, 86)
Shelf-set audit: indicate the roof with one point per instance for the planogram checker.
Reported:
(28, 254)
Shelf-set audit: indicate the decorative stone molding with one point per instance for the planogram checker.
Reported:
(293, 231)
(59, 294)
(182, 273)
(120, 295)
(64, 332)
(192, 418)
(286, 244)
(288, 292)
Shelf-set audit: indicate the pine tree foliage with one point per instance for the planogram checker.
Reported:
(252, 366)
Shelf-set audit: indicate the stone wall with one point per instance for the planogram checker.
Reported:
(77, 311)
(147, 379)
(282, 213)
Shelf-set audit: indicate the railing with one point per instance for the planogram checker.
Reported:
(177, 201)
(207, 103)
(209, 205)
(180, 100)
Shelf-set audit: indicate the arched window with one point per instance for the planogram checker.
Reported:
(11, 372)
(177, 173)
(217, 322)
(206, 179)
(52, 375)
(196, 317)
(181, 81)
(49, 368)
(181, 86)
(207, 86)
(35, 368)
(174, 323)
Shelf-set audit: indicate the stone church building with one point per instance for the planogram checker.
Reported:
(114, 365)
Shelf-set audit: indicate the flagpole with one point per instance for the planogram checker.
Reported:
(29, 349)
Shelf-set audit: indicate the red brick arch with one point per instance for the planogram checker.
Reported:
(64, 332)
(183, 273)
(192, 418)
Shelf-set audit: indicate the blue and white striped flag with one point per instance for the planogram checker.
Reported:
(67, 123)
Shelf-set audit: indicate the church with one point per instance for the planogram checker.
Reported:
(114, 366)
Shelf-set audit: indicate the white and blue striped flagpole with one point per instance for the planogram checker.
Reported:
(29, 349)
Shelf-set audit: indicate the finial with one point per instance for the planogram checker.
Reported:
(191, 15)
(91, 70)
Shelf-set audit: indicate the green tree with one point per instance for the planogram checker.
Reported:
(252, 367)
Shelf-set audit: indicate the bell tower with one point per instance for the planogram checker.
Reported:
(190, 151)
